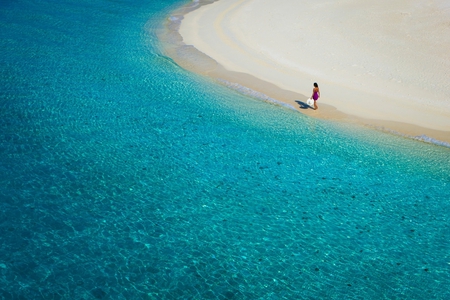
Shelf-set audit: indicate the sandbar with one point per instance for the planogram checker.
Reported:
(383, 64)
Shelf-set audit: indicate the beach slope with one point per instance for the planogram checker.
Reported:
(381, 62)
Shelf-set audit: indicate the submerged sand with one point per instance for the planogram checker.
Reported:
(383, 63)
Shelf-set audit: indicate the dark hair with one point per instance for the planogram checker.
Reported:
(315, 84)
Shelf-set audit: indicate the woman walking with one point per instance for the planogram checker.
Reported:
(315, 95)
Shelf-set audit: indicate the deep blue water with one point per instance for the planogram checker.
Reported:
(123, 176)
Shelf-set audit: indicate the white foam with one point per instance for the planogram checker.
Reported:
(430, 140)
(252, 93)
(175, 19)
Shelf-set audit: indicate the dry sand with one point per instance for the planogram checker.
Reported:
(385, 64)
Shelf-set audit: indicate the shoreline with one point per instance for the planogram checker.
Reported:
(192, 59)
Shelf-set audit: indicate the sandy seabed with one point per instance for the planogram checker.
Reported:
(381, 64)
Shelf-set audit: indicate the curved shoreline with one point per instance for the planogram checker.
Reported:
(190, 58)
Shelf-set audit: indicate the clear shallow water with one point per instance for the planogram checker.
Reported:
(125, 177)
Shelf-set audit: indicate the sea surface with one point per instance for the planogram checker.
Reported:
(124, 176)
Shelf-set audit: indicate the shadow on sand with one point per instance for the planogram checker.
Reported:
(303, 105)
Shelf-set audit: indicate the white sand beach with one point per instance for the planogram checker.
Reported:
(384, 62)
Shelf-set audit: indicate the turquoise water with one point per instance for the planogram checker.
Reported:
(124, 176)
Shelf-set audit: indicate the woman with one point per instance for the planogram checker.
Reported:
(315, 95)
